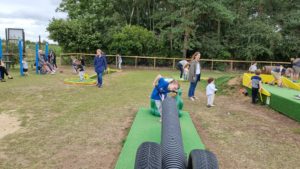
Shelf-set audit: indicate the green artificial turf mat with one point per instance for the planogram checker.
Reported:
(284, 101)
(147, 127)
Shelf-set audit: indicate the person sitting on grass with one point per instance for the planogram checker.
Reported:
(210, 92)
(277, 74)
(256, 85)
(3, 71)
(161, 88)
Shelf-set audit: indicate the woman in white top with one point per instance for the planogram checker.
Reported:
(194, 75)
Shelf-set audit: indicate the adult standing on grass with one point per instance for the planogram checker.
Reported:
(100, 66)
(253, 67)
(119, 60)
(194, 75)
(52, 59)
(296, 67)
(181, 65)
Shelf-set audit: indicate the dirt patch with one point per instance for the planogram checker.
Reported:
(235, 81)
(243, 135)
(8, 125)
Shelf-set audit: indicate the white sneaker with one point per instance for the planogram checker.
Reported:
(192, 99)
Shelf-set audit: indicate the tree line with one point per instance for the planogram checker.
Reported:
(220, 29)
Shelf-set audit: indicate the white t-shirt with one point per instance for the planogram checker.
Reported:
(120, 58)
(198, 71)
(25, 64)
(252, 68)
(183, 62)
(210, 89)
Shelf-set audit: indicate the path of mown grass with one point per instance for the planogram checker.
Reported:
(70, 126)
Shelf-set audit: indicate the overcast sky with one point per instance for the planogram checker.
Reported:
(31, 15)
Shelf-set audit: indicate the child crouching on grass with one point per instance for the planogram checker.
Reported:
(161, 88)
(256, 85)
(210, 92)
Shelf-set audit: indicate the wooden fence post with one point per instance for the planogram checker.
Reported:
(135, 61)
(154, 64)
(116, 62)
(231, 65)
(212, 64)
(173, 63)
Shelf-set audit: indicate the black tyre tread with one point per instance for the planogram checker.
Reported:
(148, 156)
(202, 159)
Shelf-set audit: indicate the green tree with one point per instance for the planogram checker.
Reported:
(134, 40)
(235, 29)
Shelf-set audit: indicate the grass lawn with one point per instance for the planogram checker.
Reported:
(63, 126)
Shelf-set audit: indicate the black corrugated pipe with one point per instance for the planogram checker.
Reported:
(171, 142)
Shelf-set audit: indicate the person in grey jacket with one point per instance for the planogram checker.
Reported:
(296, 67)
(194, 75)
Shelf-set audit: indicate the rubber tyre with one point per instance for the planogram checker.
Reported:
(148, 156)
(202, 159)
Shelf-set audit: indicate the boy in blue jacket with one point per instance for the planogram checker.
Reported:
(161, 88)
(100, 66)
(256, 85)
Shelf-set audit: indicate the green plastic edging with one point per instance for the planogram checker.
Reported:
(283, 100)
(147, 127)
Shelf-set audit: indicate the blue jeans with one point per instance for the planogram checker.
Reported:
(180, 67)
(99, 77)
(193, 86)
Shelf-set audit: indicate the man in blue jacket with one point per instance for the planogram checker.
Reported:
(100, 66)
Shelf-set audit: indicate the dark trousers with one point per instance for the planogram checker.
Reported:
(180, 67)
(193, 86)
(54, 64)
(254, 95)
(3, 71)
(99, 77)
